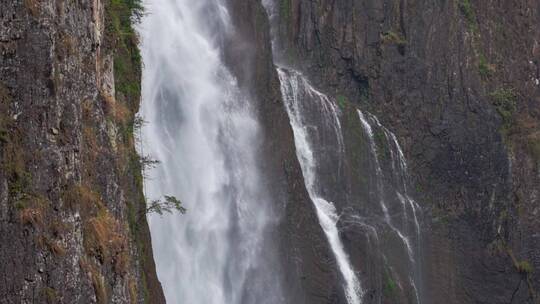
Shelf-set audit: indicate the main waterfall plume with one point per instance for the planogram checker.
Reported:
(201, 128)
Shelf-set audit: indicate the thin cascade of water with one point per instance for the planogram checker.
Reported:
(293, 85)
(310, 166)
(369, 131)
(400, 173)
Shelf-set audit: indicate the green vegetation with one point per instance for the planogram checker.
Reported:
(392, 37)
(524, 267)
(484, 68)
(466, 8)
(121, 15)
(341, 101)
(504, 101)
(147, 162)
(284, 9)
(381, 143)
(390, 286)
(168, 205)
(12, 155)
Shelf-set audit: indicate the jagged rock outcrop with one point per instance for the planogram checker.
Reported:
(72, 211)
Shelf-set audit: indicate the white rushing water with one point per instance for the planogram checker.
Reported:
(400, 173)
(202, 130)
(294, 87)
(369, 131)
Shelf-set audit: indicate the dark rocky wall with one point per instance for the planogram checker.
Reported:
(309, 273)
(72, 224)
(457, 81)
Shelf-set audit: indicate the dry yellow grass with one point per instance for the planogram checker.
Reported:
(32, 6)
(55, 247)
(115, 109)
(106, 240)
(132, 289)
(31, 216)
(83, 198)
(98, 281)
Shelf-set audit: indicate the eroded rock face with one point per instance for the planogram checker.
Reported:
(70, 196)
(440, 75)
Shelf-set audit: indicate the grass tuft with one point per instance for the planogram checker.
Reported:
(504, 101)
(484, 68)
(466, 8)
(391, 37)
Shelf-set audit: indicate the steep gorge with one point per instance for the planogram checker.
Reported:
(328, 151)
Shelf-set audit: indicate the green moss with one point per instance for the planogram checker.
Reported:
(484, 68)
(466, 8)
(390, 286)
(13, 163)
(13, 158)
(381, 143)
(121, 15)
(341, 101)
(504, 101)
(356, 142)
(285, 9)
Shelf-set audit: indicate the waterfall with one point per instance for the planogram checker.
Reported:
(380, 189)
(318, 135)
(399, 172)
(201, 128)
(299, 98)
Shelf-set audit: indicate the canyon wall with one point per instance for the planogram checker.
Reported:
(72, 211)
(458, 82)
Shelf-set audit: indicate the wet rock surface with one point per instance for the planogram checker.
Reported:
(306, 260)
(456, 81)
(437, 74)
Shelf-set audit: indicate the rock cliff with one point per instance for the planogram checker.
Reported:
(72, 212)
(458, 82)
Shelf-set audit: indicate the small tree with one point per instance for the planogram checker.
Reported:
(169, 204)
(139, 122)
(148, 162)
